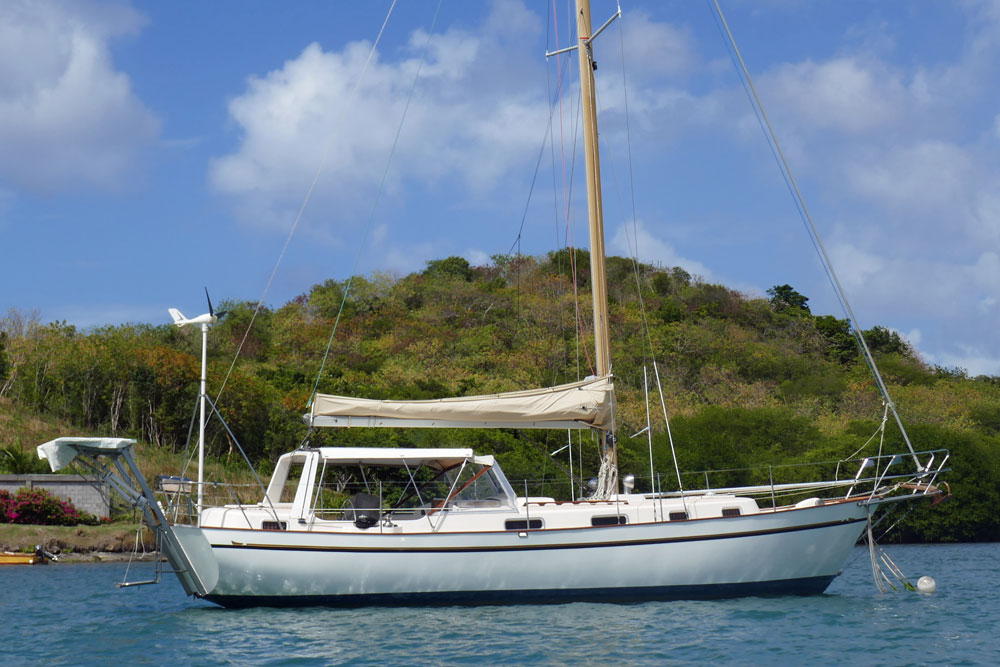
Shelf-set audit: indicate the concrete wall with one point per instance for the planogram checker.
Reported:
(86, 495)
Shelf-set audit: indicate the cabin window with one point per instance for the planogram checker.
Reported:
(274, 525)
(291, 485)
(522, 524)
(608, 520)
(731, 511)
(678, 516)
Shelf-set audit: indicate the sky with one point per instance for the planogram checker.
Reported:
(150, 150)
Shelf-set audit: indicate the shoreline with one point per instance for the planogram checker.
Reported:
(115, 542)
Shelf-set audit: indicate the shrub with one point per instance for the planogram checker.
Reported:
(39, 507)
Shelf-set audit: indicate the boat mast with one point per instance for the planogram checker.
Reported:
(608, 481)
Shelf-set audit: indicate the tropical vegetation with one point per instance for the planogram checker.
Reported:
(747, 382)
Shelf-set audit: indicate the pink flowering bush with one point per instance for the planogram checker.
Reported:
(39, 507)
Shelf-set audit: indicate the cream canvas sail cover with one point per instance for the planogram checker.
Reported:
(577, 405)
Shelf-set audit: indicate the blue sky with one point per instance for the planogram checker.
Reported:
(149, 149)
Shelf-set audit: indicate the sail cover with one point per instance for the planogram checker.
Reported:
(585, 404)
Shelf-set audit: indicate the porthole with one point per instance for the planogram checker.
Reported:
(608, 520)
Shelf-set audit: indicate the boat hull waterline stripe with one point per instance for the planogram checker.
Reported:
(804, 586)
(535, 547)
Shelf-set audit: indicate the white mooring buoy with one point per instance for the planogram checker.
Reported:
(926, 584)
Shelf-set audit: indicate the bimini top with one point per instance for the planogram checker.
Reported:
(586, 404)
(434, 458)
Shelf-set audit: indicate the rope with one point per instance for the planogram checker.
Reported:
(305, 202)
(378, 196)
(880, 429)
(883, 566)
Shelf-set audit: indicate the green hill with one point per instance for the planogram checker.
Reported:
(747, 381)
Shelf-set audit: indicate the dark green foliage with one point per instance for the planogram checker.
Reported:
(562, 262)
(712, 300)
(453, 267)
(886, 341)
(841, 344)
(327, 299)
(971, 514)
(904, 370)
(830, 384)
(16, 461)
(232, 330)
(987, 416)
(733, 440)
(786, 300)
(671, 310)
(671, 281)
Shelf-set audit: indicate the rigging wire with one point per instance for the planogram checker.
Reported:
(305, 201)
(378, 196)
(567, 188)
(568, 198)
(814, 233)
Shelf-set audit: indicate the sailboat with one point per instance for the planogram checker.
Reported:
(349, 526)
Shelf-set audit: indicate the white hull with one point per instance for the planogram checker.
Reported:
(791, 551)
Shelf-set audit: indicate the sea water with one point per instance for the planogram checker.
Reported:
(72, 614)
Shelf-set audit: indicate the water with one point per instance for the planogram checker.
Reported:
(71, 614)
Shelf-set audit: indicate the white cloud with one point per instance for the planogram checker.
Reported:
(469, 121)
(954, 299)
(986, 304)
(986, 217)
(67, 116)
(934, 288)
(913, 337)
(476, 257)
(652, 48)
(986, 271)
(973, 359)
(652, 250)
(403, 261)
(856, 268)
(101, 314)
(928, 174)
(848, 94)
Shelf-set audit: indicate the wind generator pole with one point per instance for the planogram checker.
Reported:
(201, 421)
(608, 481)
(206, 320)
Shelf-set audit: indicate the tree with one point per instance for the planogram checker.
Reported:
(842, 345)
(454, 267)
(886, 341)
(327, 299)
(785, 299)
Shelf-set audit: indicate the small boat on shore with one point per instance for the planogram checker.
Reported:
(38, 557)
(10, 558)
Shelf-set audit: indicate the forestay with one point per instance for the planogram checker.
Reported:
(585, 404)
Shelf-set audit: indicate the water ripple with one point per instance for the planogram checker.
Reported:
(66, 614)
